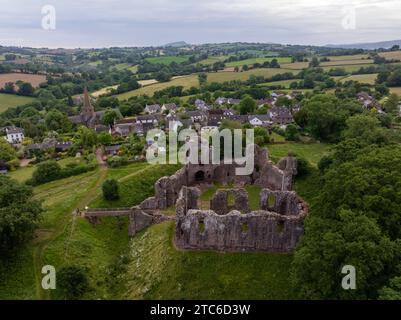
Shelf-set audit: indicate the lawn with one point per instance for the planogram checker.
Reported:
(167, 59)
(312, 152)
(283, 83)
(260, 60)
(12, 100)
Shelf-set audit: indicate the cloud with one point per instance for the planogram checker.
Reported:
(138, 22)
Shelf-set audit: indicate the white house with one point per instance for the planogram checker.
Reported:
(14, 135)
(259, 120)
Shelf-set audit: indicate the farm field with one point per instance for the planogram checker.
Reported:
(167, 59)
(283, 83)
(346, 62)
(391, 55)
(347, 68)
(347, 58)
(12, 100)
(212, 59)
(295, 65)
(33, 79)
(396, 90)
(103, 91)
(257, 60)
(192, 81)
(362, 78)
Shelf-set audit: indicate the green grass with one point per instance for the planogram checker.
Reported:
(283, 83)
(312, 152)
(136, 187)
(212, 59)
(12, 100)
(158, 271)
(362, 78)
(192, 81)
(167, 59)
(257, 60)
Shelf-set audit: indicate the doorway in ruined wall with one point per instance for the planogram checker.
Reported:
(200, 176)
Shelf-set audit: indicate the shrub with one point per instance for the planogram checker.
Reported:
(303, 167)
(46, 171)
(110, 190)
(72, 281)
(117, 161)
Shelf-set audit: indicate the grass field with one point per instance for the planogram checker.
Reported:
(283, 83)
(157, 270)
(34, 79)
(396, 90)
(192, 81)
(167, 59)
(212, 59)
(348, 68)
(103, 91)
(258, 60)
(12, 100)
(391, 55)
(362, 78)
(346, 62)
(295, 65)
(312, 152)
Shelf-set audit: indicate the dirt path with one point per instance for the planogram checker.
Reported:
(51, 235)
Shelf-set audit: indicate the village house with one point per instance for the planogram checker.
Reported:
(201, 105)
(124, 129)
(101, 128)
(220, 101)
(14, 135)
(368, 101)
(152, 109)
(260, 120)
(63, 146)
(112, 150)
(280, 115)
(171, 107)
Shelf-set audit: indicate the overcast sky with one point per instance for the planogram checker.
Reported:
(104, 23)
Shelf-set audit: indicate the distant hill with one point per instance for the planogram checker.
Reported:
(177, 44)
(368, 45)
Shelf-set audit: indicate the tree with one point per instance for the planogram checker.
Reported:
(9, 87)
(392, 291)
(247, 105)
(85, 138)
(110, 190)
(7, 152)
(366, 129)
(57, 121)
(391, 104)
(25, 89)
(19, 214)
(72, 281)
(46, 171)
(291, 133)
(109, 117)
(314, 62)
(326, 116)
(202, 77)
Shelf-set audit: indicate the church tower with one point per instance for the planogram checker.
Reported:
(88, 111)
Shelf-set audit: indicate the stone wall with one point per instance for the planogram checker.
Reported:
(222, 230)
(265, 175)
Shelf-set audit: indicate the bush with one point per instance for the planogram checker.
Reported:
(303, 167)
(46, 171)
(291, 133)
(72, 281)
(117, 161)
(324, 163)
(110, 190)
